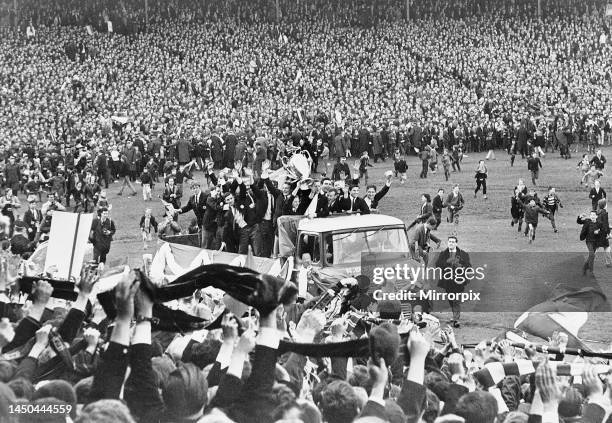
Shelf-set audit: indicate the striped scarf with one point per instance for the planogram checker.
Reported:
(493, 373)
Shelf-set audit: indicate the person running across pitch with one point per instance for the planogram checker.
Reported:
(437, 205)
(455, 203)
(424, 156)
(517, 208)
(590, 176)
(552, 203)
(532, 212)
(400, 166)
(362, 166)
(481, 179)
(583, 165)
(534, 164)
(446, 163)
(590, 233)
(426, 210)
(596, 194)
(604, 239)
(453, 278)
(456, 158)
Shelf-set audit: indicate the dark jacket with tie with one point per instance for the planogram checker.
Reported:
(596, 196)
(322, 209)
(100, 240)
(336, 206)
(449, 281)
(197, 205)
(355, 205)
(282, 205)
(378, 196)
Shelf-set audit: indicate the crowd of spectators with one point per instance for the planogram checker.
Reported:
(75, 362)
(230, 88)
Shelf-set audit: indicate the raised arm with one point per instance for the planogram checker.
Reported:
(110, 374)
(27, 327)
(141, 392)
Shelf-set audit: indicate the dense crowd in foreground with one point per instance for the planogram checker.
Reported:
(226, 91)
(125, 371)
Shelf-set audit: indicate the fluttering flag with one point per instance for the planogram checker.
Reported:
(567, 313)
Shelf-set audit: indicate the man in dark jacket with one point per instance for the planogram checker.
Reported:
(12, 174)
(353, 203)
(214, 206)
(102, 231)
(590, 234)
(437, 206)
(253, 205)
(597, 193)
(20, 244)
(196, 202)
(230, 141)
(452, 281)
(534, 164)
(599, 160)
(373, 197)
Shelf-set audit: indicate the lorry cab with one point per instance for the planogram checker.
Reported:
(341, 242)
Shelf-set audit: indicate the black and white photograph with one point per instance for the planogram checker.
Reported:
(305, 211)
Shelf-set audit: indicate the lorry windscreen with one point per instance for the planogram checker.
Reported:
(347, 247)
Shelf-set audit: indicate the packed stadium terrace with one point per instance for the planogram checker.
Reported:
(192, 66)
(454, 63)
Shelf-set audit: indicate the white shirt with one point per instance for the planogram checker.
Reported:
(238, 219)
(268, 215)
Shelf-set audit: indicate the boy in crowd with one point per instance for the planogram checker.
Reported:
(148, 226)
(532, 210)
(551, 203)
(147, 184)
(400, 166)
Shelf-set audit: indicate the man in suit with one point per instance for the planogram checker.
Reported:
(334, 201)
(32, 218)
(102, 231)
(214, 206)
(253, 205)
(420, 237)
(452, 280)
(597, 193)
(197, 203)
(232, 223)
(316, 202)
(283, 198)
(268, 221)
(599, 160)
(373, 197)
(426, 210)
(455, 203)
(353, 203)
(172, 194)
